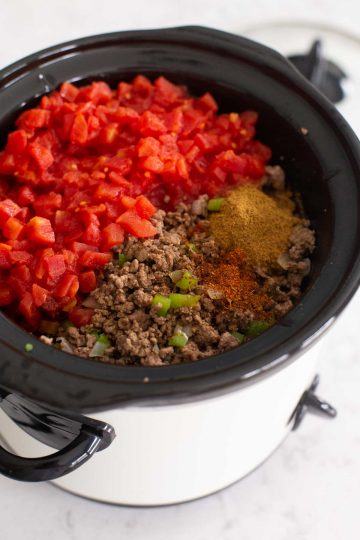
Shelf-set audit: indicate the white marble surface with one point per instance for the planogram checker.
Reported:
(309, 489)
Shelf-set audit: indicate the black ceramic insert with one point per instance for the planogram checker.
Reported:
(324, 165)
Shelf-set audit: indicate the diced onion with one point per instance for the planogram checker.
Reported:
(176, 275)
(97, 350)
(64, 345)
(91, 302)
(179, 339)
(284, 260)
(214, 294)
(100, 346)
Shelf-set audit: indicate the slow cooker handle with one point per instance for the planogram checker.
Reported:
(78, 452)
(309, 401)
(76, 437)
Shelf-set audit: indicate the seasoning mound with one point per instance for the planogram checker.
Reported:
(253, 221)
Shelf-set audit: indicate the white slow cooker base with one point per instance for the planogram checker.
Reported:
(176, 453)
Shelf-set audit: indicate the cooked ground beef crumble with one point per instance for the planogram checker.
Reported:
(124, 310)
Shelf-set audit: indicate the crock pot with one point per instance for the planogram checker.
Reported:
(185, 431)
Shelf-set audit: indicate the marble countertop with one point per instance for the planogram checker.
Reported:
(309, 489)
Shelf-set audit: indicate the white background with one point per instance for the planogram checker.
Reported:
(310, 488)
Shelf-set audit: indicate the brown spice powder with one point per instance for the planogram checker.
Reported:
(256, 223)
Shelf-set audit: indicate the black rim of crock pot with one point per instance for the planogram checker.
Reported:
(75, 382)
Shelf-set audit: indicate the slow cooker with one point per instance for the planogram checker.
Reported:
(175, 433)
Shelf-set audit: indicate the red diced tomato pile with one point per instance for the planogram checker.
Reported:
(90, 165)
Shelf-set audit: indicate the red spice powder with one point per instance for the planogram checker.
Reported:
(236, 283)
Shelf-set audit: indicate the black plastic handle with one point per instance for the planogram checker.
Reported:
(76, 437)
(78, 452)
(311, 402)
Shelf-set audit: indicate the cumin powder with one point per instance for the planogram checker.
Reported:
(253, 221)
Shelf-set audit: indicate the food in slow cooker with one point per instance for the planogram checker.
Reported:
(138, 225)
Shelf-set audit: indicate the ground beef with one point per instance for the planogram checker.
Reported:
(274, 177)
(124, 310)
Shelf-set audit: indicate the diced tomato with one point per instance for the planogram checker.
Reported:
(151, 124)
(5, 259)
(6, 295)
(7, 163)
(69, 306)
(108, 134)
(76, 201)
(207, 102)
(18, 286)
(79, 130)
(87, 281)
(107, 192)
(112, 235)
(28, 309)
(20, 257)
(120, 165)
(261, 151)
(39, 295)
(12, 228)
(17, 142)
(113, 210)
(42, 156)
(5, 247)
(8, 208)
(135, 225)
(249, 118)
(22, 245)
(174, 121)
(25, 196)
(41, 256)
(92, 259)
(142, 84)
(97, 92)
(128, 202)
(67, 286)
(20, 280)
(93, 125)
(91, 234)
(69, 224)
(119, 180)
(34, 118)
(152, 164)
(4, 188)
(22, 272)
(70, 259)
(24, 215)
(40, 231)
(68, 91)
(54, 267)
(167, 92)
(81, 316)
(149, 146)
(45, 205)
(79, 247)
(144, 207)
